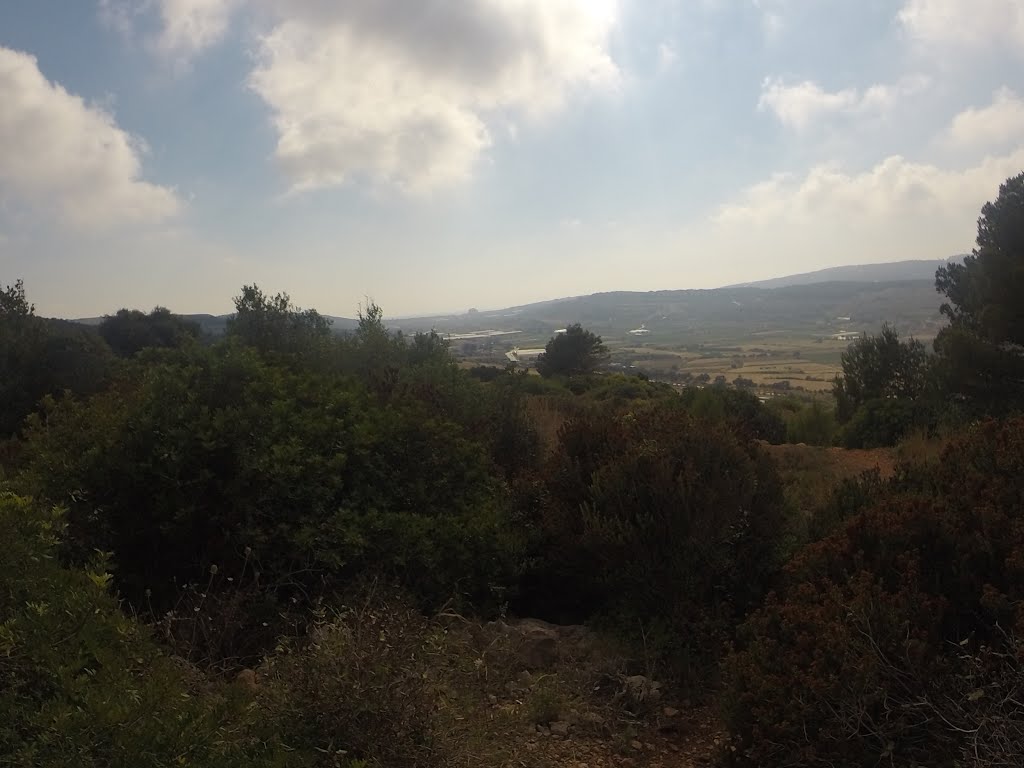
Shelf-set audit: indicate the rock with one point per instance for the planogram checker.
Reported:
(247, 679)
(559, 728)
(592, 719)
(543, 730)
(492, 699)
(540, 645)
(525, 679)
(670, 712)
(638, 746)
(641, 692)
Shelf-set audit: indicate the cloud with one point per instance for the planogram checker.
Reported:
(57, 152)
(893, 190)
(190, 26)
(830, 216)
(404, 93)
(994, 126)
(974, 24)
(800, 105)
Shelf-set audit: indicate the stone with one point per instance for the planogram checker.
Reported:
(247, 679)
(670, 712)
(559, 728)
(638, 746)
(492, 699)
(641, 692)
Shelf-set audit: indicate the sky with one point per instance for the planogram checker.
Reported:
(437, 155)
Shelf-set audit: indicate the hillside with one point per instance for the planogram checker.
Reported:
(866, 273)
(716, 315)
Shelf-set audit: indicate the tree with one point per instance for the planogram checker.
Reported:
(130, 331)
(982, 351)
(574, 352)
(272, 324)
(880, 367)
(40, 357)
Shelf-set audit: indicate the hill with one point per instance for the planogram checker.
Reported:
(864, 273)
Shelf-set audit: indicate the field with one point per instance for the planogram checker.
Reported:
(808, 364)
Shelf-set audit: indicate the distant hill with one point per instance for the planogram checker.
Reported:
(851, 299)
(813, 310)
(862, 273)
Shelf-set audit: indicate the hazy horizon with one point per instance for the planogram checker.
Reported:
(490, 153)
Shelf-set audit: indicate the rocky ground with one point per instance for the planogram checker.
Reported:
(536, 695)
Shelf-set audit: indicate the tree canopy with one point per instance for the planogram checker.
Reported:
(982, 350)
(574, 352)
(879, 368)
(130, 331)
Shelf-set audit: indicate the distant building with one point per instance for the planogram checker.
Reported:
(641, 331)
(517, 355)
(846, 335)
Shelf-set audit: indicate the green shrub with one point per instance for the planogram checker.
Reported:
(741, 410)
(660, 520)
(216, 458)
(882, 423)
(81, 684)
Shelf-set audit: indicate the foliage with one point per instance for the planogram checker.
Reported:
(659, 519)
(360, 689)
(81, 684)
(216, 457)
(577, 351)
(741, 410)
(983, 349)
(130, 331)
(888, 634)
(40, 357)
(884, 422)
(806, 421)
(880, 367)
(273, 325)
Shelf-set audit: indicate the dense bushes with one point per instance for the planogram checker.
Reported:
(80, 683)
(883, 642)
(740, 410)
(40, 357)
(659, 520)
(215, 458)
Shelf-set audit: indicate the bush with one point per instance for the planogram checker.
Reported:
(360, 689)
(741, 410)
(215, 458)
(658, 519)
(83, 685)
(884, 422)
(889, 633)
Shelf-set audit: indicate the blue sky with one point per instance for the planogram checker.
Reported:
(448, 154)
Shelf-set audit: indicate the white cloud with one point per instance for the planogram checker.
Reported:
(965, 23)
(994, 126)
(57, 152)
(191, 26)
(404, 93)
(893, 190)
(802, 104)
(829, 216)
